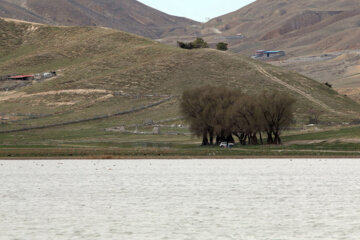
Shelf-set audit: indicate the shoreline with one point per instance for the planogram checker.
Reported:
(85, 158)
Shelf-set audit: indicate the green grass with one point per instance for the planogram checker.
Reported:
(90, 140)
(165, 152)
(346, 132)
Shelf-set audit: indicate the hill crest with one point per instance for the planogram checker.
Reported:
(126, 15)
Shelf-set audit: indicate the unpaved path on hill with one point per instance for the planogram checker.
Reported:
(305, 95)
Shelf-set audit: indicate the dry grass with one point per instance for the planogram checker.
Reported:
(353, 93)
(104, 71)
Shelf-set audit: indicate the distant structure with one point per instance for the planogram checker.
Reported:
(38, 76)
(237, 36)
(21, 77)
(232, 37)
(45, 75)
(268, 55)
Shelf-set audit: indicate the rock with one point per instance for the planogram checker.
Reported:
(148, 122)
(156, 130)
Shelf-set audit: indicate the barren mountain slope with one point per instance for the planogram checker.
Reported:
(127, 15)
(298, 26)
(321, 38)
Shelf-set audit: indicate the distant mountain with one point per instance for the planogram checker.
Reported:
(298, 26)
(126, 15)
(320, 37)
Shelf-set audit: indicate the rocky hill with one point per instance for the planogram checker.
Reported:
(126, 15)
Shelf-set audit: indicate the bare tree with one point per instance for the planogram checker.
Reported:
(222, 112)
(314, 115)
(247, 120)
(194, 104)
(277, 110)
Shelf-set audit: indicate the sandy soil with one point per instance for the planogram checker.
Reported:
(21, 21)
(353, 93)
(14, 94)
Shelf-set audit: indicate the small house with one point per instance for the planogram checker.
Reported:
(22, 77)
(269, 54)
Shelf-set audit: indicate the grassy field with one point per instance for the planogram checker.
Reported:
(86, 141)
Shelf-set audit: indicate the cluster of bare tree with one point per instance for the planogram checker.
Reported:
(219, 113)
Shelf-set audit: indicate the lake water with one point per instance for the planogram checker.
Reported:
(180, 199)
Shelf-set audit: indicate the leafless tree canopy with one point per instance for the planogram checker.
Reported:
(218, 113)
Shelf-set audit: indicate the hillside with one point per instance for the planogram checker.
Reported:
(298, 26)
(107, 78)
(126, 15)
(305, 29)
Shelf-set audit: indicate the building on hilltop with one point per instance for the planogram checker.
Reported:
(21, 77)
(267, 55)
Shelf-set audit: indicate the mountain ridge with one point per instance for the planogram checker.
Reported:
(126, 15)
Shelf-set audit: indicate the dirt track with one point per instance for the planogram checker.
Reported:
(305, 95)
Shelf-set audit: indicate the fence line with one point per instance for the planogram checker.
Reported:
(138, 109)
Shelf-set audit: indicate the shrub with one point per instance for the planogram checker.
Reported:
(197, 43)
(200, 43)
(222, 46)
(328, 84)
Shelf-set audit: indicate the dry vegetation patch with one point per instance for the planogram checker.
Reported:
(353, 93)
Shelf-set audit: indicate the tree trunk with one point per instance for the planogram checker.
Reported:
(277, 139)
(205, 140)
(261, 140)
(270, 139)
(211, 137)
(230, 139)
(254, 139)
(218, 140)
(243, 139)
(238, 136)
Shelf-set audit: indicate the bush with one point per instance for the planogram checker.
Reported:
(222, 46)
(197, 43)
(328, 84)
(200, 43)
(185, 45)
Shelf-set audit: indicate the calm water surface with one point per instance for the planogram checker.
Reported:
(180, 199)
